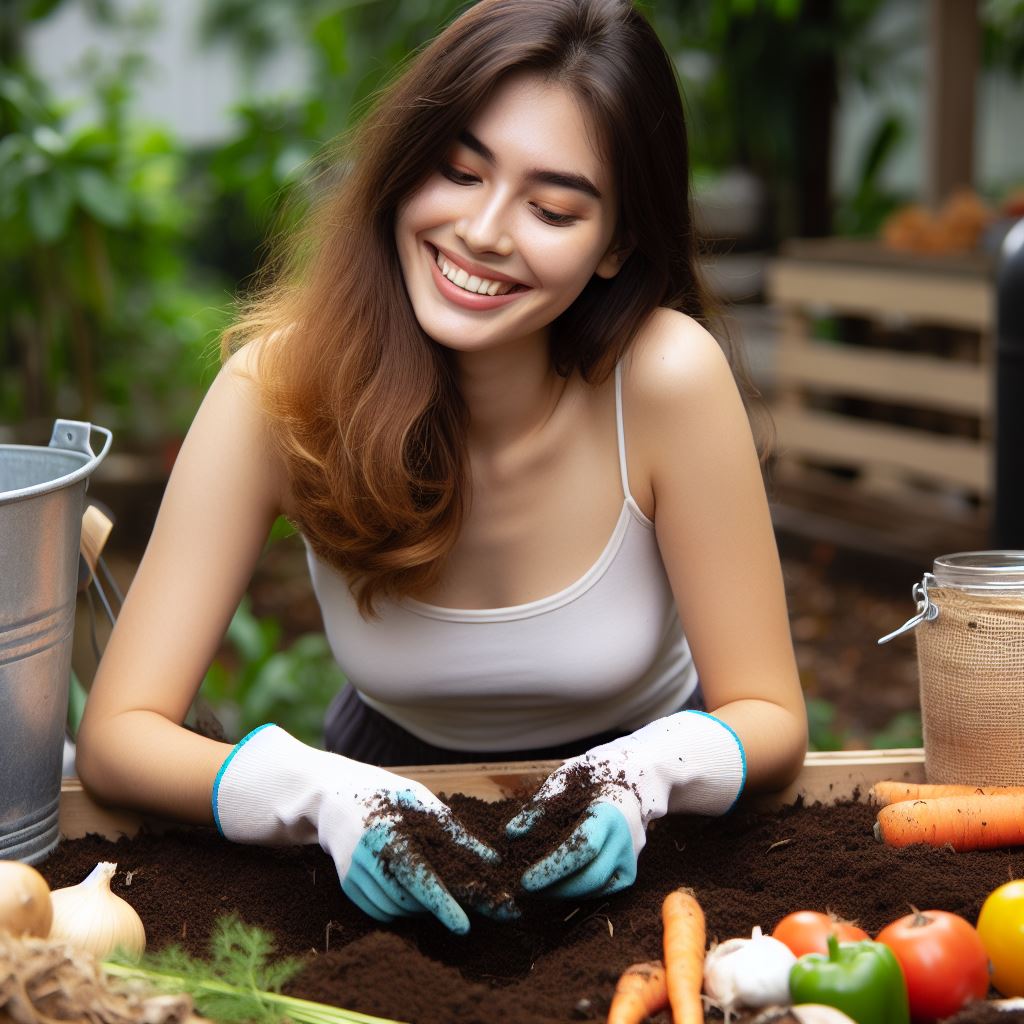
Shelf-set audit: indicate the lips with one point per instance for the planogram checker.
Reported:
(469, 284)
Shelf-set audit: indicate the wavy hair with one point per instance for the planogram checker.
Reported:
(363, 406)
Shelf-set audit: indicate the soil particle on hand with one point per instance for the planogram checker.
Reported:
(424, 840)
(560, 960)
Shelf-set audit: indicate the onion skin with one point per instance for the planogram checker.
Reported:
(25, 905)
(92, 918)
(804, 1013)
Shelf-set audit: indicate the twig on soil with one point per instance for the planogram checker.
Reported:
(781, 842)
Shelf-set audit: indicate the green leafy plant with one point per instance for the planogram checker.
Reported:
(102, 317)
(261, 683)
(823, 733)
(902, 730)
(241, 981)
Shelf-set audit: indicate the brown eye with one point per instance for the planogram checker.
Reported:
(550, 217)
(454, 174)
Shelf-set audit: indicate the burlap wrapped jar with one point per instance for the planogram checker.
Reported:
(971, 669)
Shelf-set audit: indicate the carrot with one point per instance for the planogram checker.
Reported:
(640, 993)
(683, 940)
(890, 792)
(963, 822)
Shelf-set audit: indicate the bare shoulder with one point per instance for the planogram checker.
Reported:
(232, 421)
(674, 358)
(236, 390)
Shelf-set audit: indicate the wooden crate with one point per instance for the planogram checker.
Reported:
(826, 777)
(889, 424)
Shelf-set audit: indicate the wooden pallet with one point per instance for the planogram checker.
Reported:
(903, 415)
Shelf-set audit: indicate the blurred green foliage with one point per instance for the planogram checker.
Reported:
(103, 318)
(255, 681)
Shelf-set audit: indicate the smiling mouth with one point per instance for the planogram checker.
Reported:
(472, 283)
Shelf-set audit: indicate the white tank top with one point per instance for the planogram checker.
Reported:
(606, 652)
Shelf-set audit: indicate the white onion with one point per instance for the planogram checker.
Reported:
(91, 917)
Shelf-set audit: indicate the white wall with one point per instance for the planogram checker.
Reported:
(190, 87)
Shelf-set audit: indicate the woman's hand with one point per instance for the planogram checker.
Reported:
(273, 789)
(689, 762)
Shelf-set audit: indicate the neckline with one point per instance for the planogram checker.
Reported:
(630, 512)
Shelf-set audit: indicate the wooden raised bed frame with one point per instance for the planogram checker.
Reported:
(826, 777)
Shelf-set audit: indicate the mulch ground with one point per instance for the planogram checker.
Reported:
(559, 961)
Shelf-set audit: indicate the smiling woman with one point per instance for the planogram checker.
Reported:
(482, 388)
(490, 213)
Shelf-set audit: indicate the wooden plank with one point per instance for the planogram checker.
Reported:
(826, 777)
(903, 529)
(80, 814)
(954, 50)
(910, 378)
(874, 292)
(846, 441)
(871, 252)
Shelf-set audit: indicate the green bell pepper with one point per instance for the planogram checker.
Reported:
(863, 979)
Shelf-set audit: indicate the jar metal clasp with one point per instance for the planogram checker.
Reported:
(926, 610)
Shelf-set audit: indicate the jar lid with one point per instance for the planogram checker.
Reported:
(999, 569)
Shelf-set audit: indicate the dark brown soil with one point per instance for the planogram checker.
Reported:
(559, 961)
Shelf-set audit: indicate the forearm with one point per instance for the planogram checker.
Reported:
(774, 740)
(142, 760)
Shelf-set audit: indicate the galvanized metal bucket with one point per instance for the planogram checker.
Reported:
(42, 500)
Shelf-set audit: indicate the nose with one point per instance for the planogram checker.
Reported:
(484, 227)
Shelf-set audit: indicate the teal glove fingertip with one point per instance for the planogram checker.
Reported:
(523, 822)
(598, 857)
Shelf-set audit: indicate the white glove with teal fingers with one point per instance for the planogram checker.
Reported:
(687, 763)
(274, 790)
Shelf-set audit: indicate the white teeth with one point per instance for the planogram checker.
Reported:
(471, 283)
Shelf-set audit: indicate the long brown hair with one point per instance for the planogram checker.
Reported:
(363, 406)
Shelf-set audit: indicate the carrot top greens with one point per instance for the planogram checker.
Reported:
(240, 982)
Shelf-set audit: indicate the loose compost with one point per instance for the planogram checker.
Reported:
(559, 961)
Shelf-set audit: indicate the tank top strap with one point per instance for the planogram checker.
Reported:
(623, 473)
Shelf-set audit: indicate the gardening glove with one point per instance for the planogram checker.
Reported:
(687, 763)
(273, 789)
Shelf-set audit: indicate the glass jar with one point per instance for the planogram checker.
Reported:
(969, 630)
(981, 572)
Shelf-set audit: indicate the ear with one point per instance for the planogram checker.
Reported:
(611, 262)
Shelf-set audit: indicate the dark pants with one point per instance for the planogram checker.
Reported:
(356, 730)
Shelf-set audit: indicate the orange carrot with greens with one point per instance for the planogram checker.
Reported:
(963, 822)
(640, 993)
(683, 940)
(890, 792)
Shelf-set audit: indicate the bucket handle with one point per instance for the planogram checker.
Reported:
(75, 436)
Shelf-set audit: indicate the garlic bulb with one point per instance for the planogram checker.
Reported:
(91, 917)
(25, 907)
(751, 973)
(805, 1013)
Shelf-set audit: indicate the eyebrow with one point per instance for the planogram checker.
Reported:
(563, 179)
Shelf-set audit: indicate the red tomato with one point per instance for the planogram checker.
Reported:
(807, 931)
(943, 960)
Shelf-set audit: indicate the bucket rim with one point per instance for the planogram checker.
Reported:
(71, 437)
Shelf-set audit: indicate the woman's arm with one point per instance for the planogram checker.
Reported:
(221, 500)
(689, 432)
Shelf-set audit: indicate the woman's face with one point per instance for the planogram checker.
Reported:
(504, 235)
